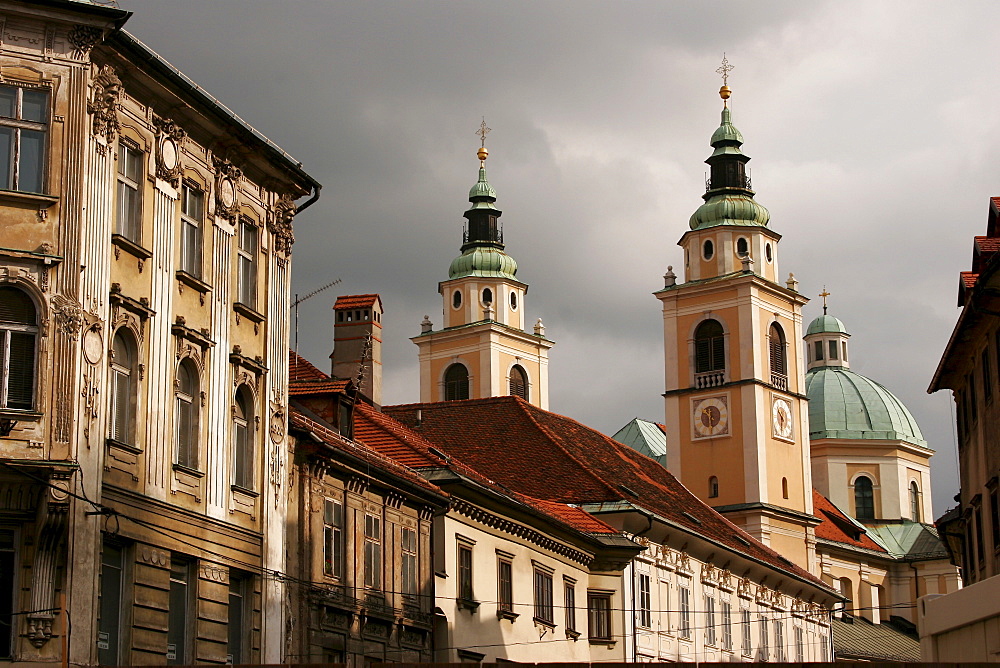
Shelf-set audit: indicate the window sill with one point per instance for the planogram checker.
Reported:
(35, 199)
(607, 642)
(468, 604)
(126, 244)
(248, 313)
(544, 622)
(121, 445)
(508, 615)
(193, 282)
(244, 491)
(20, 414)
(572, 635)
(180, 468)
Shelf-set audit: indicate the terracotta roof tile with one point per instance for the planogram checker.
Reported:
(969, 279)
(304, 378)
(552, 457)
(356, 301)
(838, 527)
(404, 445)
(360, 450)
(987, 244)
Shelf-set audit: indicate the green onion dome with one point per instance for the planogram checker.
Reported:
(483, 262)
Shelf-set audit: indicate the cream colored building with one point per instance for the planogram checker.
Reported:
(147, 240)
(482, 349)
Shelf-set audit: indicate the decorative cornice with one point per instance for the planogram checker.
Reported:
(494, 521)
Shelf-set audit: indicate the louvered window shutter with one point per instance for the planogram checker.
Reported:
(184, 420)
(123, 408)
(718, 353)
(21, 375)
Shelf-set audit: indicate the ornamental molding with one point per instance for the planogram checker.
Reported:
(170, 138)
(227, 187)
(489, 519)
(104, 105)
(280, 224)
(68, 315)
(83, 39)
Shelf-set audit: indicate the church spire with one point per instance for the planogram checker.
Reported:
(483, 229)
(728, 196)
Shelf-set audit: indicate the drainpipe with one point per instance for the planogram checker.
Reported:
(309, 202)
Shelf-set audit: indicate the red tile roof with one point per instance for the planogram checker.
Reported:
(369, 455)
(548, 456)
(404, 445)
(304, 378)
(356, 301)
(969, 279)
(838, 527)
(987, 244)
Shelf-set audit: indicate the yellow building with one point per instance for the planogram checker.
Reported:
(735, 404)
(482, 349)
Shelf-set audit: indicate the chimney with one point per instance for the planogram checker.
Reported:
(357, 344)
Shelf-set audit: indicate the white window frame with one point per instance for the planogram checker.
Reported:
(247, 245)
(192, 230)
(16, 125)
(128, 223)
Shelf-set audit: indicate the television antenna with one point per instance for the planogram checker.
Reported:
(299, 300)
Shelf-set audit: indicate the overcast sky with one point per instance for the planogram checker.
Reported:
(872, 129)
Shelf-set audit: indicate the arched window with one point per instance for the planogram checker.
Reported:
(518, 382)
(742, 248)
(456, 383)
(123, 387)
(187, 404)
(709, 347)
(864, 499)
(18, 330)
(487, 296)
(914, 501)
(713, 487)
(776, 346)
(243, 439)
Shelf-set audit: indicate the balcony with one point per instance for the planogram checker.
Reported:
(709, 379)
(779, 381)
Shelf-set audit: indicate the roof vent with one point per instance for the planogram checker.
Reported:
(440, 455)
(628, 490)
(691, 517)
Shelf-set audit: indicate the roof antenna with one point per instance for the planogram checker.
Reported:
(295, 305)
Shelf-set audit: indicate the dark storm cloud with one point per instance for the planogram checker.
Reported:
(869, 125)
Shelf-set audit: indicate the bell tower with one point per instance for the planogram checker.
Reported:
(735, 406)
(482, 349)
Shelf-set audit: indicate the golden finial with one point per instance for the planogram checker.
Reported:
(482, 132)
(824, 295)
(724, 70)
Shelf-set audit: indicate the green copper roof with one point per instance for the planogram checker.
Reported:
(483, 262)
(826, 324)
(645, 437)
(482, 187)
(844, 404)
(727, 132)
(908, 539)
(729, 209)
(729, 200)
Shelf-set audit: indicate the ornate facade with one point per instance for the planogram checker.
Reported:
(144, 314)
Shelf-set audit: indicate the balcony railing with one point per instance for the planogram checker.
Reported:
(779, 381)
(709, 379)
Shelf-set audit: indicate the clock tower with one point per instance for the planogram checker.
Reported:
(735, 405)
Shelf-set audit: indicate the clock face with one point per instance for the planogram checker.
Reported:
(781, 418)
(227, 193)
(711, 417)
(168, 153)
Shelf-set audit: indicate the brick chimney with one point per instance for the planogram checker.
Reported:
(357, 343)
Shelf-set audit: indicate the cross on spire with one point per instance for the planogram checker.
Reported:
(482, 132)
(725, 69)
(824, 295)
